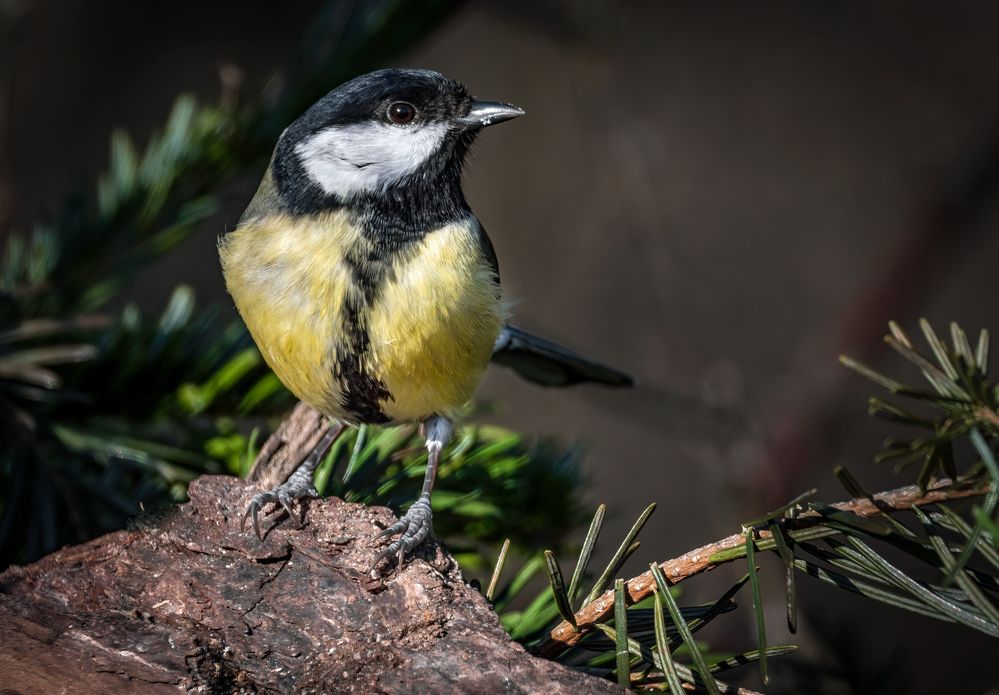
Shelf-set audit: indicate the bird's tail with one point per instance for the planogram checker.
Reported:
(550, 364)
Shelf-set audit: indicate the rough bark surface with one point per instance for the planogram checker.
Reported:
(184, 600)
(280, 455)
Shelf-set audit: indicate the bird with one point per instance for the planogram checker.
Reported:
(370, 288)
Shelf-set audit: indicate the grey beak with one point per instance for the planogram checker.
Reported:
(487, 113)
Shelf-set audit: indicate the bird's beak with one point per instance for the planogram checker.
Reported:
(486, 113)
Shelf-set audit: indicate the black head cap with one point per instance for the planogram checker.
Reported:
(395, 134)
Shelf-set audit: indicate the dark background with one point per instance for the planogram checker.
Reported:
(720, 199)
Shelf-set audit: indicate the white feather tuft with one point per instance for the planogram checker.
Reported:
(348, 160)
(439, 431)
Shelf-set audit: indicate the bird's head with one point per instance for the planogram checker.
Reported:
(381, 133)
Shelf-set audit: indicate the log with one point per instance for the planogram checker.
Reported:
(182, 600)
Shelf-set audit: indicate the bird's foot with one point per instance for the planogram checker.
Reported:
(298, 486)
(415, 526)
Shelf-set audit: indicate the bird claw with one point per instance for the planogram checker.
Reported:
(415, 526)
(284, 495)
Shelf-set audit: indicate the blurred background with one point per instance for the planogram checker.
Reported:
(718, 198)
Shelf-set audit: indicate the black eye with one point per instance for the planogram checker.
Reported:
(401, 112)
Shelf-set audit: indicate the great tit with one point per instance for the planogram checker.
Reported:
(369, 286)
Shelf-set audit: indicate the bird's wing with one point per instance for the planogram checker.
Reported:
(550, 364)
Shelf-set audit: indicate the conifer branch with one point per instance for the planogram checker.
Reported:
(709, 556)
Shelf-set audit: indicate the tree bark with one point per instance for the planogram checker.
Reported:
(185, 600)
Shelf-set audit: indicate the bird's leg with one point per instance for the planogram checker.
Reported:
(298, 485)
(416, 524)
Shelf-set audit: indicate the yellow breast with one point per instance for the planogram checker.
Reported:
(432, 326)
(431, 321)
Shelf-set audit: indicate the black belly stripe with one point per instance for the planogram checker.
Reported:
(361, 393)
(370, 262)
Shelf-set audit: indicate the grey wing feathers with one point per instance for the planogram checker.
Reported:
(550, 364)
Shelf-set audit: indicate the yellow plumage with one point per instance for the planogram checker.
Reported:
(431, 323)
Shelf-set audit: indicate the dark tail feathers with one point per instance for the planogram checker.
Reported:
(550, 364)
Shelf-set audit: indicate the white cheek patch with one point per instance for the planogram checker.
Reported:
(362, 158)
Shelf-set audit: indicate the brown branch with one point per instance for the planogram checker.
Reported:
(986, 414)
(183, 601)
(642, 682)
(704, 558)
(280, 455)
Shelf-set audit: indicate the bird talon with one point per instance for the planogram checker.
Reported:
(285, 502)
(284, 495)
(395, 528)
(414, 526)
(253, 511)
